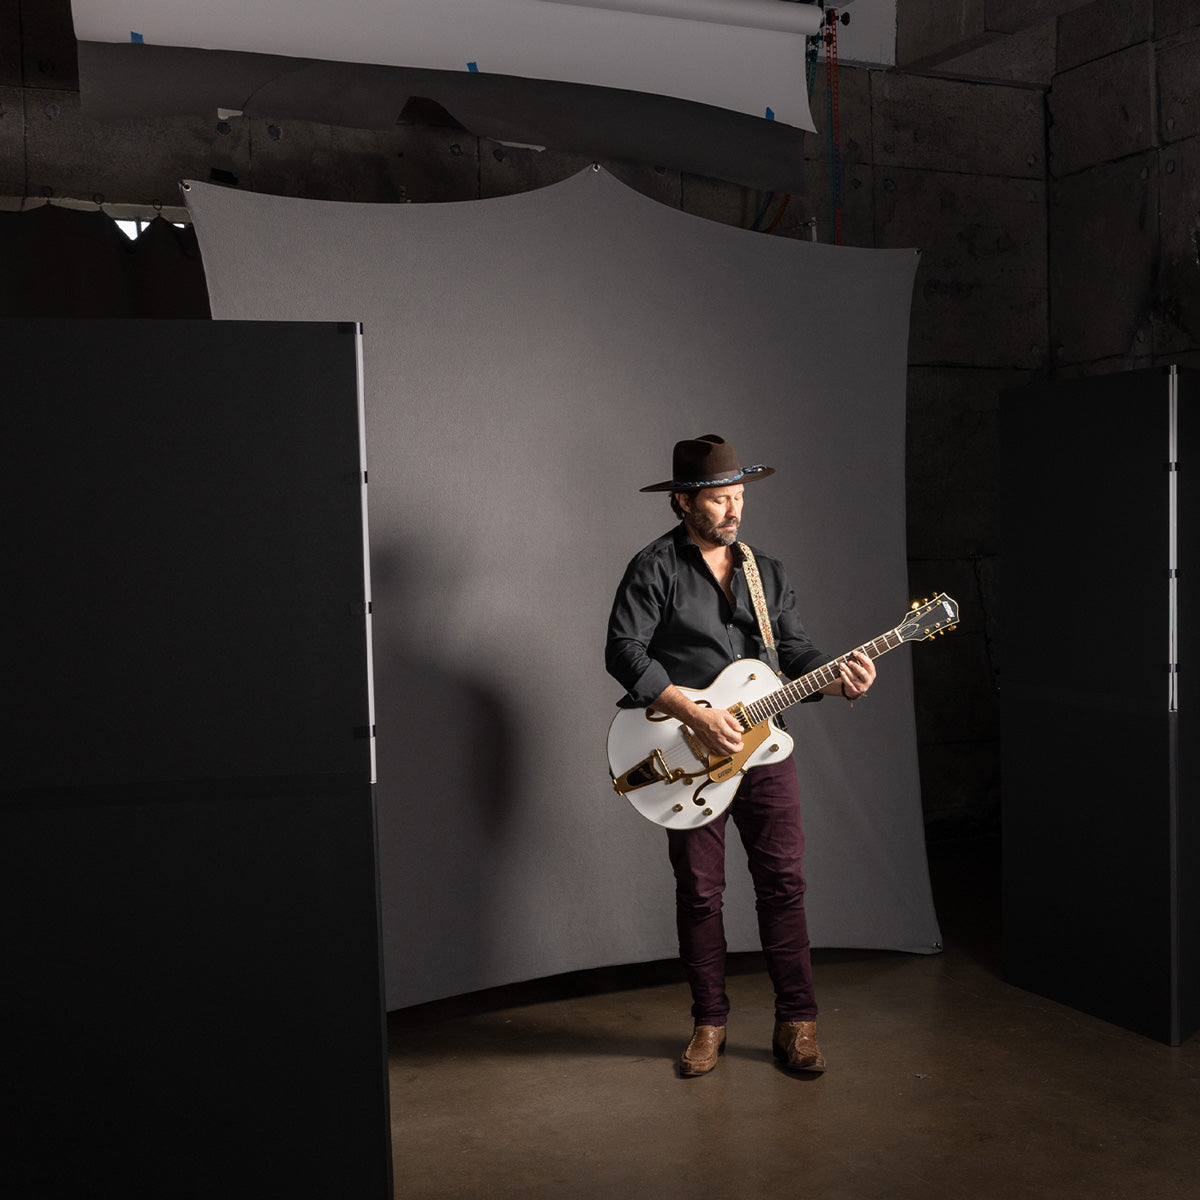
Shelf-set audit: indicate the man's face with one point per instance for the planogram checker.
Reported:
(713, 515)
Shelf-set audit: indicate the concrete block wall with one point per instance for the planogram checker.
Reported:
(959, 171)
(1124, 217)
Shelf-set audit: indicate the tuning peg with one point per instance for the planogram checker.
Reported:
(915, 605)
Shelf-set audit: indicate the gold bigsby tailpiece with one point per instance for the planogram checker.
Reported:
(652, 769)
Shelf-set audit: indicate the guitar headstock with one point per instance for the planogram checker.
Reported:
(929, 618)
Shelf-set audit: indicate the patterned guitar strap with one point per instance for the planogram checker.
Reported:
(754, 583)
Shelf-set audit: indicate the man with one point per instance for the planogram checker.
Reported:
(682, 613)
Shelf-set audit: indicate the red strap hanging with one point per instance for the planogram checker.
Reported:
(835, 133)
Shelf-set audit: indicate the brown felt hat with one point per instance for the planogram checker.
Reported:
(708, 461)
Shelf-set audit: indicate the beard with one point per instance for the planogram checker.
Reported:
(724, 534)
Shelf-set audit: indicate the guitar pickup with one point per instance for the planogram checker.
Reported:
(652, 769)
(693, 744)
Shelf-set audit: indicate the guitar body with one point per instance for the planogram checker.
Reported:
(665, 772)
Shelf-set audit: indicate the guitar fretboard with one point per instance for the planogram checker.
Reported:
(806, 685)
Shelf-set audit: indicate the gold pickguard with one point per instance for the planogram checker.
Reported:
(724, 767)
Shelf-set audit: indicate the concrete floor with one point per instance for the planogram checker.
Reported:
(943, 1081)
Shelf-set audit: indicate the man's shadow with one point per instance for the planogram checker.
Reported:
(445, 791)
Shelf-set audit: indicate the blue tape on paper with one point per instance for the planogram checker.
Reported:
(770, 114)
(473, 68)
(136, 37)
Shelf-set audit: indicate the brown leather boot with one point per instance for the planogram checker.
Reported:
(701, 1055)
(795, 1045)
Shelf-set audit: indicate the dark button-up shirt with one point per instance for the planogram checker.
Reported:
(672, 623)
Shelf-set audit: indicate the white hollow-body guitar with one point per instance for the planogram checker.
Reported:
(672, 779)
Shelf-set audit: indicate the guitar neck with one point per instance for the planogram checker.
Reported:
(800, 689)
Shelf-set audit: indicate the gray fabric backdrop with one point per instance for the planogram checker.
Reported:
(530, 361)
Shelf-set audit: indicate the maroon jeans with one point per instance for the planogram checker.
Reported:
(766, 812)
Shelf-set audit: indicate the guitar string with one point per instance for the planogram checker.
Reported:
(680, 757)
(791, 693)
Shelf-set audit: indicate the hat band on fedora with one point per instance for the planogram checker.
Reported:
(733, 478)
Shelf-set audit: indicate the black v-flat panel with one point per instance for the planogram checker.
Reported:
(187, 820)
(1094, 851)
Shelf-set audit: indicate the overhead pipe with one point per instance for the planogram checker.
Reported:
(783, 16)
